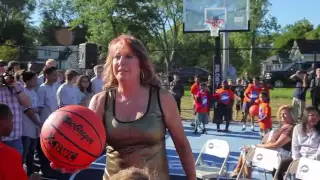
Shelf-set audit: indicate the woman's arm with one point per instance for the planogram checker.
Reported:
(176, 130)
(281, 141)
(295, 143)
(97, 104)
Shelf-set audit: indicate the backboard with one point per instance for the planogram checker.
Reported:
(234, 13)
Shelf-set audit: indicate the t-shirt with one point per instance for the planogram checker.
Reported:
(96, 85)
(252, 92)
(300, 91)
(68, 94)
(265, 110)
(202, 102)
(11, 164)
(30, 129)
(224, 96)
(195, 88)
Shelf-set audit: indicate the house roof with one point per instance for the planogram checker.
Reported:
(308, 46)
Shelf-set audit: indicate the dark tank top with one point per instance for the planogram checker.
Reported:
(140, 143)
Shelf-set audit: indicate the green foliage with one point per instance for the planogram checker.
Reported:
(7, 52)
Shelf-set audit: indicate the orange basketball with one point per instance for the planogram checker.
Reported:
(254, 110)
(73, 137)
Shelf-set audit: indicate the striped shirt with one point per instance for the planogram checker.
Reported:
(9, 97)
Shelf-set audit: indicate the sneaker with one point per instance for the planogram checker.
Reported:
(219, 130)
(195, 131)
(252, 128)
(204, 131)
(226, 130)
(243, 128)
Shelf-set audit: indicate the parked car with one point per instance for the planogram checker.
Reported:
(187, 74)
(281, 78)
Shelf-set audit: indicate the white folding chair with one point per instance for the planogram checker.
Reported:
(292, 169)
(217, 148)
(262, 158)
(91, 173)
(304, 168)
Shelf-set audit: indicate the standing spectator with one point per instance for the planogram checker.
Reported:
(299, 95)
(239, 93)
(85, 86)
(210, 84)
(97, 80)
(47, 104)
(31, 121)
(13, 66)
(247, 78)
(315, 89)
(11, 167)
(60, 77)
(232, 73)
(177, 90)
(49, 63)
(68, 93)
(13, 96)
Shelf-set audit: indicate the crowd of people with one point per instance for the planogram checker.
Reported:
(127, 96)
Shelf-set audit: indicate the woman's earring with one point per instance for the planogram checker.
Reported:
(142, 75)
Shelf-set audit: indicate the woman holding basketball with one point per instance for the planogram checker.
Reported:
(136, 113)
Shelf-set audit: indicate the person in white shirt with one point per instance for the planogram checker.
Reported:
(41, 79)
(68, 93)
(47, 104)
(31, 121)
(305, 139)
(97, 80)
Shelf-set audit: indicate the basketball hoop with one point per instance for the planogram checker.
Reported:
(214, 25)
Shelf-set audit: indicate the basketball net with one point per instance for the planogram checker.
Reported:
(214, 26)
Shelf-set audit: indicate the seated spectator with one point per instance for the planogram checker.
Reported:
(10, 159)
(132, 174)
(305, 139)
(279, 139)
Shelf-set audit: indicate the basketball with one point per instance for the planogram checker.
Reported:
(254, 110)
(73, 137)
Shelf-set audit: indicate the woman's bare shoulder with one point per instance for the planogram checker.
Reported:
(97, 103)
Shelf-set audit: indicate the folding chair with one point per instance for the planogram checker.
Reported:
(217, 148)
(303, 168)
(260, 158)
(292, 169)
(91, 173)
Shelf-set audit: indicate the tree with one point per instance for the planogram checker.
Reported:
(8, 52)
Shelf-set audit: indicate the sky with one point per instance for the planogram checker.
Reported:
(286, 11)
(290, 11)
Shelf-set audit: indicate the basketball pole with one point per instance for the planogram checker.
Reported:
(225, 55)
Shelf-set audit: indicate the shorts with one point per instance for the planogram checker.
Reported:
(202, 118)
(246, 106)
(222, 112)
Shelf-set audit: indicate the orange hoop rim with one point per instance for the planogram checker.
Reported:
(215, 22)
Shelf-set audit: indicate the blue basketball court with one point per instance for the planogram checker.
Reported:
(236, 139)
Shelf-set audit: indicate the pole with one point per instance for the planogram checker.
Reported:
(225, 55)
(217, 65)
(314, 79)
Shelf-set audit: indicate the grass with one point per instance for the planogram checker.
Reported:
(279, 96)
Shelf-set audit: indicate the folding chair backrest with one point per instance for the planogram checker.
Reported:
(292, 169)
(218, 148)
(307, 169)
(264, 158)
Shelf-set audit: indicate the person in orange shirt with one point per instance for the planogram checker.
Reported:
(11, 167)
(250, 95)
(201, 108)
(195, 88)
(224, 98)
(264, 117)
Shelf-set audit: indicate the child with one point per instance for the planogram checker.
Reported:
(264, 117)
(225, 99)
(10, 159)
(202, 110)
(68, 93)
(239, 93)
